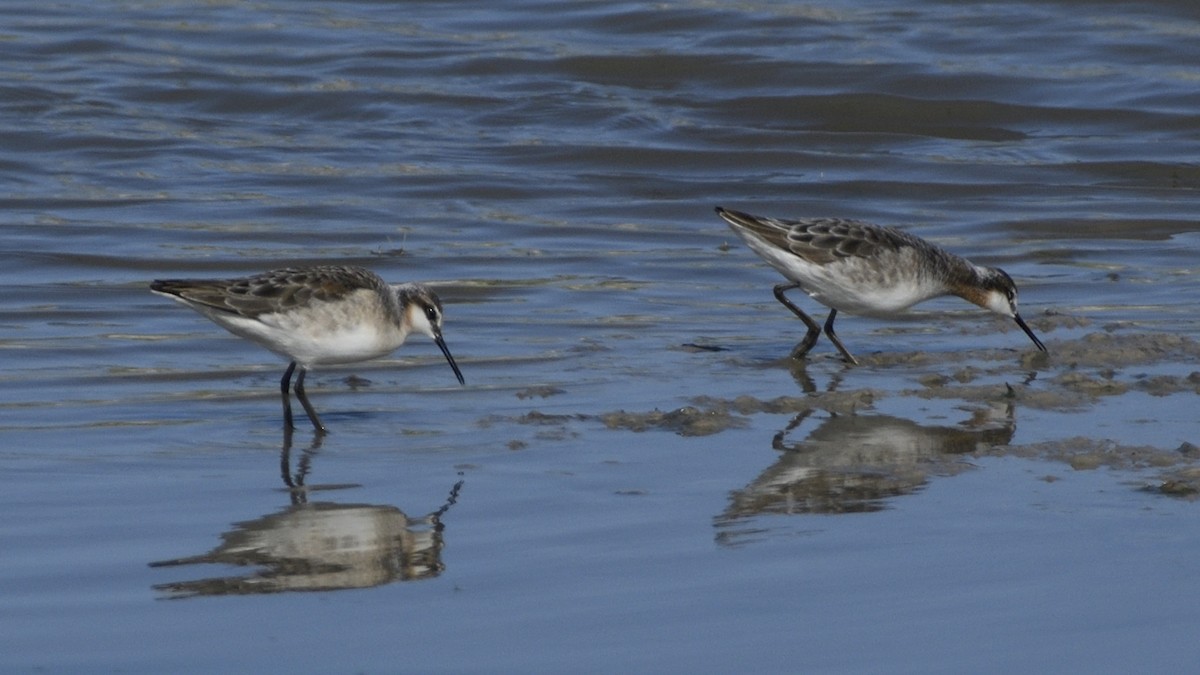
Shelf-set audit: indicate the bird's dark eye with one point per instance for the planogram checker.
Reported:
(431, 313)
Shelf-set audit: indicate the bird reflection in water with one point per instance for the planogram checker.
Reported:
(854, 463)
(320, 546)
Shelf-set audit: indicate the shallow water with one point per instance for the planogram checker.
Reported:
(635, 476)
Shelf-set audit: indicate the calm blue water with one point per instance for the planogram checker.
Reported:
(552, 170)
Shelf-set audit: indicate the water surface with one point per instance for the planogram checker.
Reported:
(635, 477)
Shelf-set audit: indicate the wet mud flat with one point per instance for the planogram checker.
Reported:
(842, 449)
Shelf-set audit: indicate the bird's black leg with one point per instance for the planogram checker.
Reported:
(312, 414)
(283, 388)
(834, 338)
(814, 329)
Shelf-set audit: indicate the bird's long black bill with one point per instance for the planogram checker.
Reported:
(458, 373)
(1028, 331)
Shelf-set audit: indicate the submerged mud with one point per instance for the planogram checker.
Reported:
(839, 453)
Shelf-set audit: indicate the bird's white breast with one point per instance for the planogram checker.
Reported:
(880, 286)
(353, 328)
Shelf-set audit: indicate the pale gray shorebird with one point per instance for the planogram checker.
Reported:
(868, 270)
(315, 316)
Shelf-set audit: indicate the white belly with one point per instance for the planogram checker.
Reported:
(318, 336)
(866, 287)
